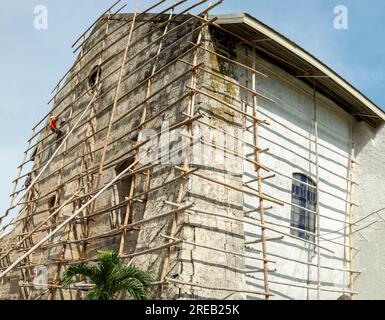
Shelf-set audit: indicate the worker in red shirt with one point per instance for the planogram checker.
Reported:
(54, 123)
(28, 181)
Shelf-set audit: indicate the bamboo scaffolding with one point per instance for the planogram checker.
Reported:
(226, 104)
(292, 284)
(191, 284)
(128, 213)
(139, 105)
(113, 43)
(52, 157)
(252, 44)
(219, 76)
(73, 216)
(258, 173)
(218, 249)
(318, 217)
(307, 91)
(86, 213)
(174, 127)
(350, 230)
(305, 232)
(121, 117)
(270, 169)
(137, 195)
(147, 47)
(142, 50)
(310, 140)
(190, 111)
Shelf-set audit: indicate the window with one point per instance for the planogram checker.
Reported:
(304, 195)
(94, 77)
(121, 193)
(51, 202)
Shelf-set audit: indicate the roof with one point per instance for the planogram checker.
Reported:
(303, 65)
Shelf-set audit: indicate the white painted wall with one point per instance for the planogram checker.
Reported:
(294, 107)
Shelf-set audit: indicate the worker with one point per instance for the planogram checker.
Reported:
(53, 123)
(28, 181)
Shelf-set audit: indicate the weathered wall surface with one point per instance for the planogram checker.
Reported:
(368, 239)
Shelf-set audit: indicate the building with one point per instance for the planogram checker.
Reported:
(209, 150)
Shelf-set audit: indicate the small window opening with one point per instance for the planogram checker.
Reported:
(33, 155)
(137, 206)
(124, 184)
(94, 77)
(51, 202)
(304, 196)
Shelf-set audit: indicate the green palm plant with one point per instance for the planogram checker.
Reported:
(110, 278)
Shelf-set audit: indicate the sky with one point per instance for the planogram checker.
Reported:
(33, 60)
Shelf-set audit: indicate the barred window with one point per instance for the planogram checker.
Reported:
(304, 195)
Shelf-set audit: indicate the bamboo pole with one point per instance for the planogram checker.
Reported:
(351, 189)
(318, 219)
(52, 157)
(174, 127)
(195, 244)
(191, 110)
(69, 219)
(295, 285)
(148, 61)
(191, 284)
(219, 76)
(258, 172)
(128, 213)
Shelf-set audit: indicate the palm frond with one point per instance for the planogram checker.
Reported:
(92, 295)
(134, 288)
(133, 280)
(131, 272)
(110, 277)
(79, 269)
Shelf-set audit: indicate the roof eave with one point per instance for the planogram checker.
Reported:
(242, 18)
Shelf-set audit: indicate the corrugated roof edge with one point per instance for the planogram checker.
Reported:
(259, 26)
